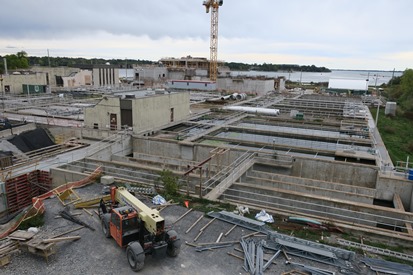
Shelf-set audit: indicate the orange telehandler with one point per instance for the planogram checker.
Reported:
(137, 227)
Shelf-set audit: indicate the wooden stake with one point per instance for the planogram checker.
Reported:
(87, 211)
(191, 244)
(199, 235)
(285, 255)
(186, 213)
(67, 232)
(229, 242)
(203, 228)
(195, 223)
(55, 240)
(249, 235)
(219, 237)
(236, 256)
(229, 231)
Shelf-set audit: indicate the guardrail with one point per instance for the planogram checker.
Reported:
(224, 173)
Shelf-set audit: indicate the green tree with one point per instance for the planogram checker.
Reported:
(17, 61)
(170, 182)
(406, 89)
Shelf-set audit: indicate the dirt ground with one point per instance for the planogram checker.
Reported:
(95, 254)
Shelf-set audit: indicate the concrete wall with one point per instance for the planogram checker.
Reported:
(316, 187)
(192, 85)
(17, 130)
(246, 85)
(176, 75)
(346, 173)
(105, 76)
(182, 150)
(15, 82)
(388, 186)
(150, 73)
(353, 212)
(147, 112)
(155, 111)
(62, 176)
(81, 78)
(3, 197)
(55, 71)
(100, 113)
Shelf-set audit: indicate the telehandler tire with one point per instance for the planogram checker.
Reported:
(136, 256)
(105, 229)
(174, 246)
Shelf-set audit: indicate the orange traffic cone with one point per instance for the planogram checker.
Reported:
(186, 203)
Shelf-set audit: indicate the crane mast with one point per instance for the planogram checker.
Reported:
(213, 5)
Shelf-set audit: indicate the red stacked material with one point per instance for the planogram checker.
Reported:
(37, 206)
(20, 190)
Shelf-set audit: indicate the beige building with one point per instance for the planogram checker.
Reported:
(249, 85)
(82, 78)
(46, 79)
(105, 75)
(55, 74)
(15, 82)
(142, 111)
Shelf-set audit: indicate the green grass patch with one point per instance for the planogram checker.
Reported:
(396, 133)
(35, 221)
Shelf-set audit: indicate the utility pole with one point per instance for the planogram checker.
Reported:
(2, 93)
(126, 65)
(48, 57)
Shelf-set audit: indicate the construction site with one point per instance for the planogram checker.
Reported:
(320, 159)
(264, 179)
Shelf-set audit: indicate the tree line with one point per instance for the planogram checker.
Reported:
(267, 67)
(22, 61)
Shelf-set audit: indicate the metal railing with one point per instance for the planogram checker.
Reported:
(229, 170)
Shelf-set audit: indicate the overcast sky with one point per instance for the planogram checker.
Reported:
(338, 34)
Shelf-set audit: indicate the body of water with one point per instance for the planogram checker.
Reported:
(306, 77)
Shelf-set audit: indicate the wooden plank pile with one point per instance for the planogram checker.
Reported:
(7, 248)
(21, 240)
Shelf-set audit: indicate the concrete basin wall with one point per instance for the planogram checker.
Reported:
(307, 188)
(333, 171)
(387, 186)
(356, 213)
(335, 187)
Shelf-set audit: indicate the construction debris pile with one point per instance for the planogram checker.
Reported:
(30, 242)
(212, 242)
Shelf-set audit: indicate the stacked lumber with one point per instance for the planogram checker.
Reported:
(7, 248)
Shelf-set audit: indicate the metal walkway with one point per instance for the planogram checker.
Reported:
(376, 250)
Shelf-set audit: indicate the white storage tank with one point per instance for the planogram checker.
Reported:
(390, 108)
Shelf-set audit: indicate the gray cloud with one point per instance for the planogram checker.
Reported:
(323, 28)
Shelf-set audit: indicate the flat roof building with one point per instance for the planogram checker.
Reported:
(139, 110)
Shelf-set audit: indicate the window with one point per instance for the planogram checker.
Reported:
(95, 126)
(172, 114)
(115, 220)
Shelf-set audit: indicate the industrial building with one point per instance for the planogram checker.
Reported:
(140, 111)
(347, 86)
(40, 80)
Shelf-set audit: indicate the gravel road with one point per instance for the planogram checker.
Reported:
(95, 254)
